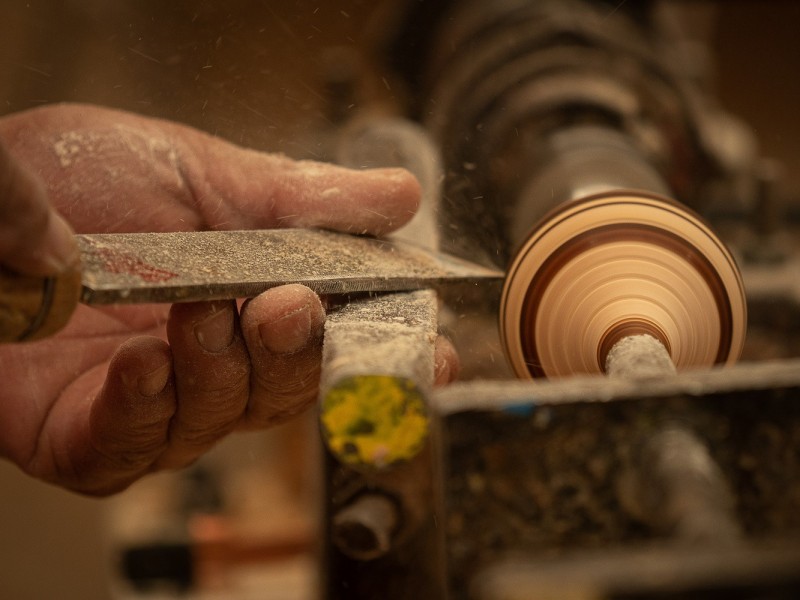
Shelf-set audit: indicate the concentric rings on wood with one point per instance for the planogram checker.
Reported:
(617, 264)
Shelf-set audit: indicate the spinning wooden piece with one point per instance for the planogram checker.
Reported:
(606, 267)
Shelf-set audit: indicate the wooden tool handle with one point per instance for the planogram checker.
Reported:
(35, 307)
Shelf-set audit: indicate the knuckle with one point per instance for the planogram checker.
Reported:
(124, 456)
(213, 417)
(201, 435)
(277, 400)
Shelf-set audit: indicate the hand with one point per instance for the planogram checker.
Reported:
(123, 391)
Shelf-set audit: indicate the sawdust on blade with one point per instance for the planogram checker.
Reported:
(188, 266)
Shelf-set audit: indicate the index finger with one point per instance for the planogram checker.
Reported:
(275, 191)
(169, 177)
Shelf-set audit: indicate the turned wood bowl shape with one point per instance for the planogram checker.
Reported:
(601, 268)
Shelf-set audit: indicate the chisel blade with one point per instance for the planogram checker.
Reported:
(128, 268)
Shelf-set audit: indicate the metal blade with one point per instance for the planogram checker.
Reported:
(127, 268)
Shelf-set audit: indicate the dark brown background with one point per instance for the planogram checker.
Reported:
(249, 70)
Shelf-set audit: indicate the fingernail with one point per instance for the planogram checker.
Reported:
(215, 332)
(289, 333)
(59, 250)
(154, 382)
(441, 374)
(446, 365)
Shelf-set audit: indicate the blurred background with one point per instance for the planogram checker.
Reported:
(259, 73)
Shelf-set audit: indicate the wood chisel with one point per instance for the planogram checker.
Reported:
(129, 268)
